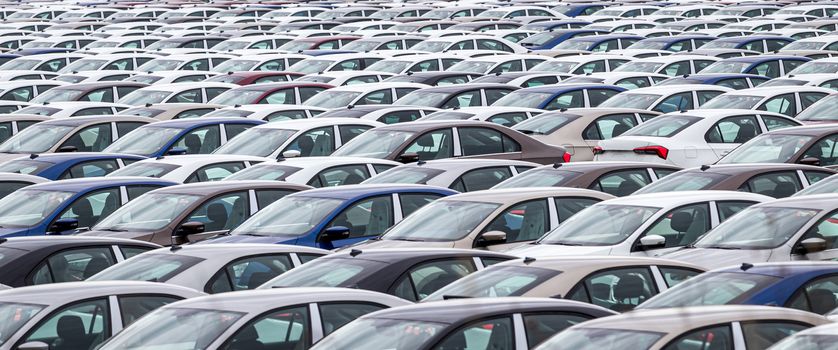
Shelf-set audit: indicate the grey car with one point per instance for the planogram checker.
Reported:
(463, 175)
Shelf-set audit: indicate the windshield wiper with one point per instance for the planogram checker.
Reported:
(407, 239)
(566, 243)
(112, 229)
(450, 297)
(251, 234)
(722, 247)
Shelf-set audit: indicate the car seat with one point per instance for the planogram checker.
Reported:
(629, 288)
(627, 187)
(822, 301)
(680, 222)
(84, 212)
(745, 133)
(306, 145)
(95, 265)
(217, 216)
(619, 129)
(192, 143)
(247, 339)
(71, 334)
(784, 189)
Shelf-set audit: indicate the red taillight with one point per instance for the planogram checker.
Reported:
(566, 157)
(598, 150)
(659, 150)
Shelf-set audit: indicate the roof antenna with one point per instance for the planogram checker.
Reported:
(746, 266)
(355, 252)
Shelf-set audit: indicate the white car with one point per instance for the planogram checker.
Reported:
(336, 62)
(692, 138)
(628, 80)
(190, 168)
(176, 93)
(675, 65)
(506, 116)
(26, 90)
(297, 138)
(582, 64)
(362, 94)
(469, 42)
(416, 63)
(666, 99)
(268, 112)
(387, 114)
(73, 109)
(498, 64)
(463, 175)
(169, 77)
(9, 75)
(196, 61)
(316, 171)
(93, 76)
(262, 62)
(342, 78)
(640, 225)
(787, 100)
(253, 44)
(120, 61)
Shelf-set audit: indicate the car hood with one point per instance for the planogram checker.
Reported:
(115, 234)
(9, 156)
(13, 231)
(716, 258)
(391, 243)
(250, 239)
(551, 250)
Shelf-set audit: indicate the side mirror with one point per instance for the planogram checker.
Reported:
(67, 149)
(810, 161)
(177, 151)
(33, 345)
(492, 237)
(812, 245)
(652, 241)
(189, 228)
(410, 157)
(62, 225)
(291, 154)
(335, 233)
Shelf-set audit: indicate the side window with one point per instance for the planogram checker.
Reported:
(609, 126)
(200, 141)
(136, 191)
(598, 96)
(677, 102)
(248, 273)
(129, 252)
(340, 175)
(433, 145)
(591, 67)
(492, 95)
(675, 275)
(569, 206)
(809, 98)
(425, 66)
(123, 128)
(777, 184)
(23, 94)
(336, 315)
(465, 99)
(774, 123)
(99, 95)
(426, 278)
(481, 335)
(286, 328)
(135, 306)
(755, 45)
(607, 45)
(539, 327)
(482, 179)
(494, 45)
(617, 289)
(818, 296)
(508, 119)
(92, 207)
(213, 92)
(511, 66)
(400, 117)
(367, 217)
(188, 96)
(790, 65)
(224, 212)
(735, 83)
(761, 335)
(281, 97)
(768, 69)
(729, 208)
(827, 229)
(622, 183)
(201, 65)
(83, 326)
(826, 150)
(315, 142)
(662, 172)
(349, 132)
(733, 130)
(463, 45)
(411, 202)
(540, 81)
(633, 83)
(93, 111)
(683, 225)
(233, 130)
(286, 115)
(677, 68)
(379, 168)
(704, 96)
(215, 172)
(815, 176)
(572, 99)
(476, 141)
(90, 169)
(73, 265)
(525, 221)
(264, 198)
(715, 337)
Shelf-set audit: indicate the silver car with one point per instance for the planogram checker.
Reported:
(463, 175)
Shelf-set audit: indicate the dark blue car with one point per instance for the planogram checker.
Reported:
(600, 43)
(732, 80)
(556, 97)
(808, 286)
(770, 66)
(6, 57)
(758, 43)
(42, 51)
(549, 39)
(573, 10)
(555, 25)
(60, 207)
(333, 217)
(71, 165)
(676, 43)
(181, 136)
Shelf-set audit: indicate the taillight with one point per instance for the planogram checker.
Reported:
(659, 150)
(598, 150)
(566, 157)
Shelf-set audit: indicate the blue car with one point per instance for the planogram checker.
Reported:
(549, 39)
(600, 43)
(6, 57)
(181, 136)
(808, 286)
(333, 217)
(71, 165)
(573, 10)
(42, 51)
(770, 66)
(676, 43)
(555, 25)
(758, 43)
(61, 207)
(732, 80)
(561, 96)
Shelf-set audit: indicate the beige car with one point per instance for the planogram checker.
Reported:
(579, 130)
(169, 111)
(491, 219)
(703, 327)
(616, 283)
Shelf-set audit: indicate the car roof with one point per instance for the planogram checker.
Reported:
(777, 90)
(213, 187)
(76, 185)
(202, 159)
(455, 311)
(233, 250)
(78, 121)
(303, 124)
(738, 168)
(65, 156)
(783, 269)
(192, 122)
(257, 301)
(669, 199)
(512, 195)
(816, 201)
(32, 243)
(591, 263)
(557, 88)
(351, 191)
(670, 89)
(62, 293)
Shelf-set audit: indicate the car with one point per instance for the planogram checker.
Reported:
(188, 168)
(343, 78)
(316, 171)
(452, 324)
(194, 61)
(259, 63)
(582, 64)
(589, 279)
(691, 138)
(254, 44)
(774, 180)
(827, 185)
(755, 42)
(10, 75)
(506, 116)
(769, 66)
(168, 111)
(599, 43)
(386, 42)
(451, 96)
(798, 285)
(626, 80)
(615, 178)
(266, 112)
(805, 145)
(467, 42)
(800, 228)
(546, 40)
(717, 326)
(168, 76)
(387, 114)
(788, 100)
(180, 136)
(108, 91)
(316, 43)
(559, 96)
(242, 318)
(11, 124)
(10, 182)
(723, 53)
(666, 99)
(247, 78)
(524, 79)
(42, 260)
(215, 268)
(55, 313)
(674, 65)
(498, 64)
(823, 44)
(812, 338)
(197, 92)
(462, 175)
(641, 225)
(362, 94)
(410, 142)
(734, 81)
(821, 66)
(9, 106)
(270, 93)
(820, 80)
(26, 90)
(72, 165)
(72, 109)
(432, 78)
(121, 61)
(426, 62)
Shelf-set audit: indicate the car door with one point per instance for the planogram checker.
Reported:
(81, 325)
(220, 214)
(522, 222)
(570, 99)
(778, 184)
(619, 289)
(334, 315)
(825, 228)
(72, 265)
(340, 175)
(477, 141)
(436, 144)
(93, 168)
(543, 325)
(783, 104)
(481, 179)
(679, 227)
(603, 128)
(91, 207)
(365, 218)
(248, 272)
(93, 138)
(411, 202)
(728, 133)
(677, 102)
(622, 183)
(425, 278)
(816, 295)
(282, 328)
(202, 140)
(315, 142)
(215, 172)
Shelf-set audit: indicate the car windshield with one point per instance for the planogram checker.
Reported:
(24, 166)
(429, 46)
(452, 220)
(757, 228)
(804, 45)
(725, 67)
(600, 225)
(712, 288)
(57, 95)
(630, 100)
(732, 102)
(523, 99)
(649, 44)
(381, 334)
(159, 64)
(256, 142)
(20, 64)
(823, 110)
(664, 126)
(145, 169)
(310, 66)
(543, 124)
(295, 46)
(174, 329)
(448, 115)
(825, 186)
(389, 66)
(332, 99)
(647, 67)
(143, 97)
(361, 45)
(495, 281)
(555, 66)
(423, 98)
(289, 216)
(264, 172)
(239, 97)
(35, 139)
(85, 64)
(235, 66)
(151, 267)
(143, 140)
(39, 110)
(24, 208)
(333, 272)
(231, 45)
(471, 66)
(768, 148)
(684, 181)
(574, 45)
(540, 178)
(816, 67)
(600, 339)
(374, 144)
(402, 175)
(808, 341)
(149, 212)
(15, 315)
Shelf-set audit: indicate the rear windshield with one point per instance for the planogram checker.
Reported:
(664, 126)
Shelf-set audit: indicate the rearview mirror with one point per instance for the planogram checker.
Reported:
(492, 237)
(812, 245)
(33, 345)
(335, 233)
(67, 149)
(190, 228)
(810, 161)
(652, 241)
(291, 154)
(62, 225)
(177, 151)
(410, 157)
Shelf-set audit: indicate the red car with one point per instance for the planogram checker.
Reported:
(256, 77)
(317, 43)
(270, 93)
